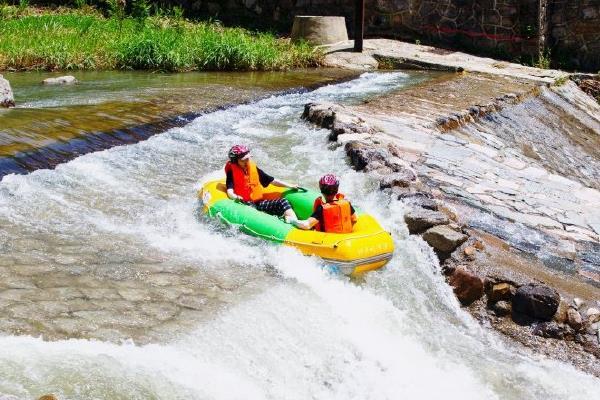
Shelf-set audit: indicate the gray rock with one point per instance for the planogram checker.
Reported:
(419, 220)
(577, 302)
(501, 308)
(362, 154)
(61, 80)
(444, 239)
(419, 199)
(6, 95)
(592, 314)
(536, 301)
(398, 179)
(574, 319)
(554, 330)
(321, 114)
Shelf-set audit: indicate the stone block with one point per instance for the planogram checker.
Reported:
(444, 239)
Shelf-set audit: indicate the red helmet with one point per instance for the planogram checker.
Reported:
(329, 184)
(238, 151)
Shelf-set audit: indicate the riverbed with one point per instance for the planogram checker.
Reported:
(114, 286)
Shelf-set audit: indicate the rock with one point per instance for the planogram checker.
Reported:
(500, 291)
(61, 80)
(577, 302)
(362, 154)
(48, 397)
(467, 286)
(470, 251)
(350, 60)
(536, 301)
(321, 114)
(590, 86)
(419, 220)
(592, 314)
(444, 239)
(6, 95)
(398, 179)
(421, 199)
(501, 308)
(574, 319)
(554, 330)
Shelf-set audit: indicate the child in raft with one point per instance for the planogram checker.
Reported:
(334, 214)
(245, 182)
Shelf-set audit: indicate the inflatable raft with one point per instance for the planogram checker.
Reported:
(367, 248)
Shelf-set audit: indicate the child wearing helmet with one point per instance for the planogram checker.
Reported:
(331, 212)
(245, 182)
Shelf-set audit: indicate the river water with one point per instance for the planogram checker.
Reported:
(137, 296)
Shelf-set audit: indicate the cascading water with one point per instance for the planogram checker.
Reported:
(218, 315)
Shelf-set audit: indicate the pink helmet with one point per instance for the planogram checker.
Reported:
(329, 184)
(238, 151)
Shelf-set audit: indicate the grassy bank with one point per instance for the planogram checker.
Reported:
(73, 39)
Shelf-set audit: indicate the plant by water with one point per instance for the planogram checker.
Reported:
(68, 39)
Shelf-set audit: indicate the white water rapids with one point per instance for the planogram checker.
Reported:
(286, 329)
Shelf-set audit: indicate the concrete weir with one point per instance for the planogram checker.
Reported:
(509, 154)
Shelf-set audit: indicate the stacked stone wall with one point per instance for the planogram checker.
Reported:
(567, 30)
(574, 33)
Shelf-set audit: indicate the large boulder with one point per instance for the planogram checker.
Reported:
(420, 219)
(320, 114)
(336, 118)
(444, 239)
(467, 286)
(536, 301)
(362, 154)
(6, 95)
(401, 178)
(61, 80)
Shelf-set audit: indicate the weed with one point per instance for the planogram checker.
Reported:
(543, 60)
(561, 81)
(76, 40)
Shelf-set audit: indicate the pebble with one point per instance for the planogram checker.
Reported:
(470, 251)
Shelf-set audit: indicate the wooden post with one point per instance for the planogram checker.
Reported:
(359, 25)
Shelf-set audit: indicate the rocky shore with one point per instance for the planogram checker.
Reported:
(499, 174)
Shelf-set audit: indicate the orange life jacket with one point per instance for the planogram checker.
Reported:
(337, 215)
(245, 185)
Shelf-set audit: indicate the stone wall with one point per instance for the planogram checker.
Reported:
(574, 33)
(568, 30)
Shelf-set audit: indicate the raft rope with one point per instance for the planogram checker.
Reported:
(276, 239)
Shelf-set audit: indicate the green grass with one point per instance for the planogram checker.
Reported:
(70, 39)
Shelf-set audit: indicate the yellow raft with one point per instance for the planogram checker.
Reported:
(367, 248)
